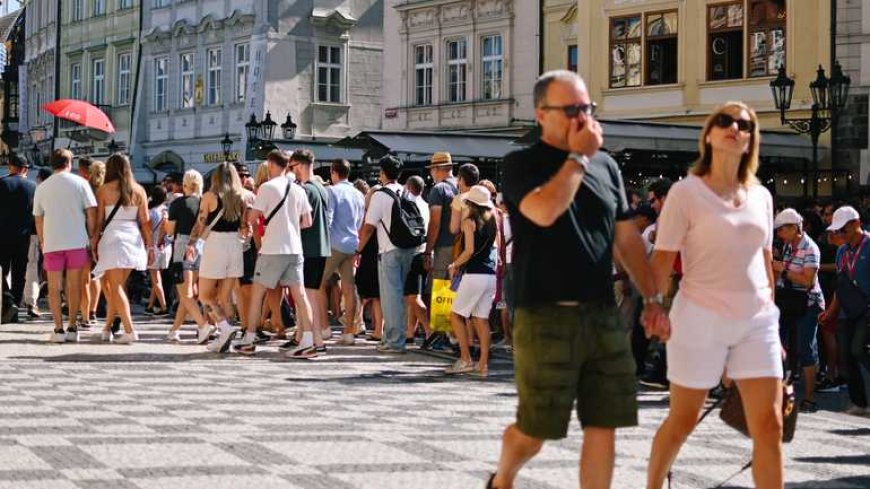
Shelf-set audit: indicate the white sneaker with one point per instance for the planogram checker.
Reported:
(204, 333)
(125, 339)
(858, 411)
(106, 336)
(347, 339)
(326, 334)
(72, 336)
(57, 337)
(173, 337)
(222, 343)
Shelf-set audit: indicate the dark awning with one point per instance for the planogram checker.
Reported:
(323, 151)
(651, 136)
(467, 145)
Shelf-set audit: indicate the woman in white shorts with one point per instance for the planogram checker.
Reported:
(476, 290)
(720, 219)
(222, 218)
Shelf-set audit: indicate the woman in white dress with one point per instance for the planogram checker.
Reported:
(124, 244)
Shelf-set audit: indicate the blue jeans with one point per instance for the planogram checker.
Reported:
(393, 268)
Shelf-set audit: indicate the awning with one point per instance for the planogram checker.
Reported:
(652, 136)
(467, 145)
(323, 151)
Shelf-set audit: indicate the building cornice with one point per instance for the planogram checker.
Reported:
(184, 27)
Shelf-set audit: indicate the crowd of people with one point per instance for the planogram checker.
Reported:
(697, 285)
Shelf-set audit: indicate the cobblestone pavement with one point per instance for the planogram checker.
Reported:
(156, 415)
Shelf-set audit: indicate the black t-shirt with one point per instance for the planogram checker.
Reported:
(183, 211)
(16, 209)
(572, 259)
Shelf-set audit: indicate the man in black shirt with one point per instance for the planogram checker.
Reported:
(569, 214)
(16, 223)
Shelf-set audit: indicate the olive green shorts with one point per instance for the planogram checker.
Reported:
(567, 354)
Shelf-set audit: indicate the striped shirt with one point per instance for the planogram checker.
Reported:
(805, 255)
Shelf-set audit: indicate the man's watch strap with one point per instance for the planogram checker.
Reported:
(654, 299)
(581, 159)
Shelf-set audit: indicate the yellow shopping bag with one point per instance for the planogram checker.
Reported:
(442, 303)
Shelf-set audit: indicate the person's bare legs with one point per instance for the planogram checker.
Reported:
(506, 326)
(117, 282)
(256, 294)
(208, 292)
(245, 292)
(304, 315)
(274, 297)
(460, 330)
(157, 289)
(348, 293)
(686, 405)
(110, 303)
(73, 294)
(411, 324)
(85, 301)
(187, 303)
(377, 318)
(597, 457)
(517, 449)
(55, 283)
(482, 326)
(95, 292)
(762, 403)
(829, 340)
(316, 302)
(225, 290)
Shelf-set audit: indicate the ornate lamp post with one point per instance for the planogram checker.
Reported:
(267, 127)
(252, 127)
(227, 146)
(289, 128)
(829, 96)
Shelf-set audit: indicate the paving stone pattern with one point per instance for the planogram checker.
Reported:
(154, 415)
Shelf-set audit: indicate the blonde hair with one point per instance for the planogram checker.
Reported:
(97, 174)
(749, 162)
(226, 184)
(192, 181)
(262, 175)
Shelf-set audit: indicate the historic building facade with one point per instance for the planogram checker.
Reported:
(459, 65)
(38, 82)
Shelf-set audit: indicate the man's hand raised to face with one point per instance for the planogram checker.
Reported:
(585, 139)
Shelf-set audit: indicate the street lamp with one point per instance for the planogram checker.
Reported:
(227, 146)
(829, 97)
(35, 154)
(267, 127)
(289, 128)
(253, 128)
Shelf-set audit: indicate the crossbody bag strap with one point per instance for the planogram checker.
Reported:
(109, 219)
(212, 223)
(280, 204)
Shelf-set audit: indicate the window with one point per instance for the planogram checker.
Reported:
(661, 48)
(243, 63)
(766, 37)
(99, 7)
(725, 41)
(125, 62)
(423, 70)
(162, 3)
(75, 81)
(492, 67)
(123, 4)
(625, 37)
(329, 74)
(573, 57)
(77, 10)
(213, 83)
(726, 26)
(160, 78)
(98, 95)
(187, 81)
(457, 70)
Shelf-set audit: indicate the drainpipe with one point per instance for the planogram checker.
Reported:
(134, 100)
(57, 31)
(834, 116)
(541, 39)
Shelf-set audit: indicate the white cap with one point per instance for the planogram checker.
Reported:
(787, 216)
(842, 216)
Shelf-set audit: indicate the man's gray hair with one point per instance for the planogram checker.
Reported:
(544, 81)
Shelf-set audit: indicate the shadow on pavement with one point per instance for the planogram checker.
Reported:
(853, 481)
(840, 460)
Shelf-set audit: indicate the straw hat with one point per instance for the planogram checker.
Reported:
(441, 158)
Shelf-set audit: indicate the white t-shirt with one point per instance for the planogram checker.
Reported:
(424, 213)
(380, 215)
(722, 246)
(282, 234)
(508, 234)
(61, 200)
(647, 238)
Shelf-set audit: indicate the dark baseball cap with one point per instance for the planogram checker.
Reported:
(19, 161)
(645, 210)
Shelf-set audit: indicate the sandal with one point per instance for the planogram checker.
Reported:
(808, 406)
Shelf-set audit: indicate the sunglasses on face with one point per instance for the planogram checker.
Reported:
(725, 121)
(572, 111)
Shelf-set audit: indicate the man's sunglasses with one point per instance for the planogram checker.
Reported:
(725, 121)
(572, 111)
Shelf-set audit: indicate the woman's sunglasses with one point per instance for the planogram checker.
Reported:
(725, 121)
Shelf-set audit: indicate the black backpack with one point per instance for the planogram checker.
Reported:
(407, 228)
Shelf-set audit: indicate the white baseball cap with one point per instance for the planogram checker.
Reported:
(842, 216)
(787, 216)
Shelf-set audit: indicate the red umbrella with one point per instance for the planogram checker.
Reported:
(81, 113)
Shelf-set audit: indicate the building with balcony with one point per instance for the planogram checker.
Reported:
(208, 66)
(12, 37)
(853, 51)
(38, 81)
(99, 51)
(460, 65)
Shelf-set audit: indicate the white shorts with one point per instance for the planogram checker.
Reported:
(704, 345)
(475, 295)
(221, 256)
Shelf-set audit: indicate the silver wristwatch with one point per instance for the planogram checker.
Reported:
(654, 299)
(580, 159)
